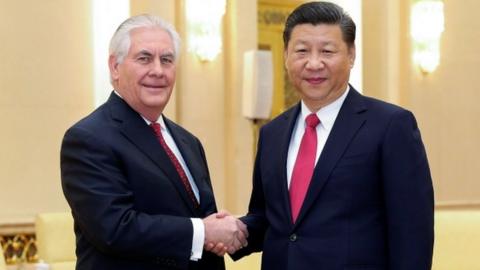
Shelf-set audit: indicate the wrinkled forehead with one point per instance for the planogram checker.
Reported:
(151, 38)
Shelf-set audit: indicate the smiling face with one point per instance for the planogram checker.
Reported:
(318, 62)
(146, 76)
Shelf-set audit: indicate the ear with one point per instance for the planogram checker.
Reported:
(113, 66)
(285, 57)
(351, 55)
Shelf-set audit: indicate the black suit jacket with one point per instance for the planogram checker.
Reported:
(369, 204)
(130, 208)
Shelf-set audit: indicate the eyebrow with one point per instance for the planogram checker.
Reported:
(148, 53)
(300, 41)
(168, 54)
(143, 53)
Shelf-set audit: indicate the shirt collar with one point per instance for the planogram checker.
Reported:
(160, 120)
(327, 114)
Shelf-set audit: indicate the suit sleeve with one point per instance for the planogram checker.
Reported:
(102, 204)
(408, 195)
(255, 219)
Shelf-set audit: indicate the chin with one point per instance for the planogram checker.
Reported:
(155, 101)
(315, 95)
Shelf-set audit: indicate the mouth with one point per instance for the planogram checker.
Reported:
(154, 86)
(315, 80)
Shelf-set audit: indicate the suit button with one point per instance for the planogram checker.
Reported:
(293, 237)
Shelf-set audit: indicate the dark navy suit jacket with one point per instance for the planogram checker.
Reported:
(129, 206)
(369, 204)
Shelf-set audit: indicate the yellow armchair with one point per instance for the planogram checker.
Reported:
(56, 240)
(457, 240)
(251, 262)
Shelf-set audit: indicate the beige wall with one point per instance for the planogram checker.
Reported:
(46, 85)
(447, 105)
(241, 35)
(444, 102)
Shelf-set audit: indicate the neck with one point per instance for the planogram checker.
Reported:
(150, 116)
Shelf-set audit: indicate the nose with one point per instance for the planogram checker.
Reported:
(156, 68)
(315, 62)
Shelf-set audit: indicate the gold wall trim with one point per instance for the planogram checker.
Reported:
(272, 18)
(457, 205)
(17, 228)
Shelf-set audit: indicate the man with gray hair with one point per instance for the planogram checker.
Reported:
(137, 183)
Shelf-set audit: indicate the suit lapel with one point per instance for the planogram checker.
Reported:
(290, 119)
(197, 170)
(134, 128)
(348, 122)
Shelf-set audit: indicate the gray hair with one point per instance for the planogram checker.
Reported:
(120, 42)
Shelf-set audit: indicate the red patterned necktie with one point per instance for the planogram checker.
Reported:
(304, 165)
(157, 129)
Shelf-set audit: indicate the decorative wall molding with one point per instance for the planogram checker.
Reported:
(273, 14)
(17, 228)
(18, 242)
(457, 205)
(272, 17)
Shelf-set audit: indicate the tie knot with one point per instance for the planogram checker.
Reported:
(156, 127)
(312, 120)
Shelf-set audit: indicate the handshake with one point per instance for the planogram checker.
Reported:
(224, 233)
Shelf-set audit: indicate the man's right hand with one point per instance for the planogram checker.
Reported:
(224, 233)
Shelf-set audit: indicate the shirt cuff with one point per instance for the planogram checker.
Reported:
(198, 239)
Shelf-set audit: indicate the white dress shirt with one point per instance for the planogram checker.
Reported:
(327, 116)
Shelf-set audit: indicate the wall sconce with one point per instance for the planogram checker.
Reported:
(204, 27)
(426, 28)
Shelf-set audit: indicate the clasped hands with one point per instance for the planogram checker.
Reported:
(224, 233)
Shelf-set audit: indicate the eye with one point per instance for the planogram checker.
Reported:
(166, 60)
(301, 50)
(143, 59)
(329, 51)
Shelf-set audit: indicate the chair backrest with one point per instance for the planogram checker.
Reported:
(55, 237)
(250, 262)
(3, 266)
(457, 240)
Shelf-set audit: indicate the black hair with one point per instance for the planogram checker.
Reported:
(320, 13)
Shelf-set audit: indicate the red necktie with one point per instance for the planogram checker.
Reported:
(304, 165)
(176, 163)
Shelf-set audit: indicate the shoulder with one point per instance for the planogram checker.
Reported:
(99, 127)
(378, 105)
(359, 102)
(107, 116)
(383, 111)
(94, 123)
(390, 118)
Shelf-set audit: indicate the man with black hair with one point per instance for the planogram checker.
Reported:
(341, 181)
